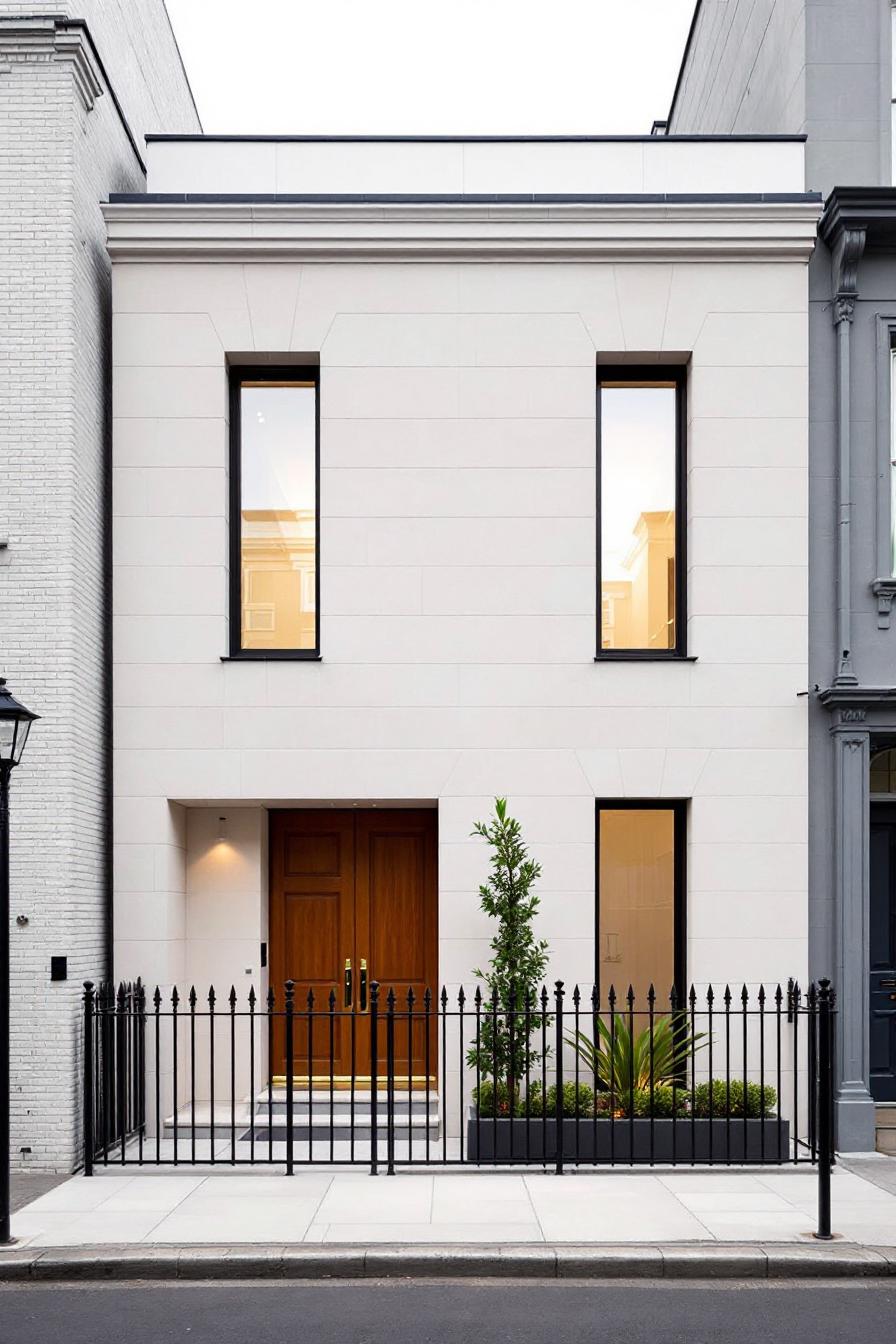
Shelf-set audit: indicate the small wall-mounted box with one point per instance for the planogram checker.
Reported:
(59, 968)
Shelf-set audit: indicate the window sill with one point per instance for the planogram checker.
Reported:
(637, 656)
(273, 656)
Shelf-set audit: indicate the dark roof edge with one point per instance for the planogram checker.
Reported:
(870, 208)
(372, 198)
(465, 139)
(82, 26)
(684, 60)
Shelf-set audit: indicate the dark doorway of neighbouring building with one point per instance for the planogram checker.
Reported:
(882, 938)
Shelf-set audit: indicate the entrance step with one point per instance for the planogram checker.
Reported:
(885, 1129)
(313, 1117)
(344, 1102)
(321, 1113)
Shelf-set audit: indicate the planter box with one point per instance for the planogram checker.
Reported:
(624, 1141)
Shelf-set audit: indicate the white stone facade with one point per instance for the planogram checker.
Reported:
(458, 347)
(65, 145)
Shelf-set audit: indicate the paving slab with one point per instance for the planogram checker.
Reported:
(431, 1207)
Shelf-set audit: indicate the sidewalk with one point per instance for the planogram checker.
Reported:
(214, 1223)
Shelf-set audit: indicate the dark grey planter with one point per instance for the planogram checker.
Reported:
(624, 1141)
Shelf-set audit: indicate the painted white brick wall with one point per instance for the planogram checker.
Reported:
(57, 161)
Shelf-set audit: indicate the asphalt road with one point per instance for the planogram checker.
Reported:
(472, 1312)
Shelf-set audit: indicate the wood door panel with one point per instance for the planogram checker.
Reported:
(396, 920)
(314, 854)
(397, 875)
(312, 931)
(312, 935)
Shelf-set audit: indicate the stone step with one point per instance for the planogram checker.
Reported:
(885, 1129)
(342, 1103)
(198, 1123)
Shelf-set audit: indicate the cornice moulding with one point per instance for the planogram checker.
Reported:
(227, 232)
(43, 39)
(857, 697)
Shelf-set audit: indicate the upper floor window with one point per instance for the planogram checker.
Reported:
(640, 513)
(893, 91)
(891, 546)
(274, 513)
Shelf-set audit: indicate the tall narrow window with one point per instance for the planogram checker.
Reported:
(274, 513)
(640, 897)
(893, 462)
(640, 513)
(893, 93)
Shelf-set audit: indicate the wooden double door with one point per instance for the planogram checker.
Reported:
(353, 899)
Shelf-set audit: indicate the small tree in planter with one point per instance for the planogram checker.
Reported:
(518, 962)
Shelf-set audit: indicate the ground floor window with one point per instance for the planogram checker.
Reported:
(640, 897)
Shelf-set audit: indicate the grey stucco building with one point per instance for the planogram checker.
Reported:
(825, 71)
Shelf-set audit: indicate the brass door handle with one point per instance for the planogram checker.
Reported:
(348, 982)
(363, 985)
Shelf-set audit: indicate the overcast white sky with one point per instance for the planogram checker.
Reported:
(580, 67)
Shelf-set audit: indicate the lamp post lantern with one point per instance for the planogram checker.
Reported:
(15, 723)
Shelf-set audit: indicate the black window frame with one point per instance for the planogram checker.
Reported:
(262, 373)
(639, 373)
(679, 809)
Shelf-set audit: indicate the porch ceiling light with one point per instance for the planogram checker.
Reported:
(15, 723)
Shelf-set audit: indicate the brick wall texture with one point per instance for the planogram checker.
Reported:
(59, 157)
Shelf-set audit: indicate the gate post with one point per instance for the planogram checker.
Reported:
(390, 1083)
(558, 1106)
(88, 1078)
(290, 1071)
(825, 1103)
(374, 1069)
(121, 1061)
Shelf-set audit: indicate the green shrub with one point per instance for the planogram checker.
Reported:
(484, 1100)
(662, 1105)
(573, 1105)
(581, 1105)
(728, 1099)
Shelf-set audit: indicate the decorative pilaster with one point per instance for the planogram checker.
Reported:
(847, 253)
(854, 1104)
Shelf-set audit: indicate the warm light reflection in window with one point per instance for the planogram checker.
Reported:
(278, 513)
(893, 455)
(636, 894)
(883, 771)
(637, 514)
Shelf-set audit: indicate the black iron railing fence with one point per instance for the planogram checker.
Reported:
(564, 1078)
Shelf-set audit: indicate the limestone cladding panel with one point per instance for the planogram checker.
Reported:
(458, 584)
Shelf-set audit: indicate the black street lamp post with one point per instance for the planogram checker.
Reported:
(15, 721)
